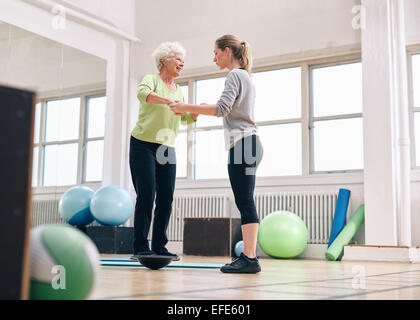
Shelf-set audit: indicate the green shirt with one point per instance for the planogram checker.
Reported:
(156, 122)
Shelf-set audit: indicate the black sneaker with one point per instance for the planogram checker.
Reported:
(142, 253)
(242, 265)
(165, 252)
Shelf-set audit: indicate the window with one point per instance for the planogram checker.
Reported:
(209, 147)
(181, 143)
(337, 129)
(278, 113)
(282, 150)
(68, 140)
(210, 154)
(415, 76)
(309, 118)
(94, 140)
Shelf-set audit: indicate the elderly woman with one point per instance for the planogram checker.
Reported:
(152, 153)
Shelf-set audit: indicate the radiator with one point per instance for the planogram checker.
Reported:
(46, 212)
(316, 209)
(195, 206)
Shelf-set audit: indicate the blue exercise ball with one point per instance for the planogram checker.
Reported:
(111, 205)
(74, 206)
(239, 248)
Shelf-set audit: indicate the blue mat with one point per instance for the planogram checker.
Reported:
(126, 262)
(339, 220)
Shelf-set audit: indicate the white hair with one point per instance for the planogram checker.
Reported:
(166, 50)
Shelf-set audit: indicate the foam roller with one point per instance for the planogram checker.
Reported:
(344, 237)
(340, 214)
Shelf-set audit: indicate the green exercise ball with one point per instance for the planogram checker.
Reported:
(282, 234)
(64, 263)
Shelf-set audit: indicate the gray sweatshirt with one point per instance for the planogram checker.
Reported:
(236, 106)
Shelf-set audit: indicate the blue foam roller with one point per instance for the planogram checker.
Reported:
(339, 220)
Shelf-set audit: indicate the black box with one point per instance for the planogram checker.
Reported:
(17, 110)
(111, 239)
(211, 236)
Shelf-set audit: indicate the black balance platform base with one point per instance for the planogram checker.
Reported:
(155, 262)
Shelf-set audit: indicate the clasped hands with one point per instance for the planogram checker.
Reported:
(179, 108)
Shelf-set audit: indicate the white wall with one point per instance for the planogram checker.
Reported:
(86, 35)
(118, 13)
(272, 27)
(412, 16)
(275, 29)
(35, 64)
(412, 9)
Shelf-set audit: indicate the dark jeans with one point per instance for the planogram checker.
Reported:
(244, 159)
(153, 171)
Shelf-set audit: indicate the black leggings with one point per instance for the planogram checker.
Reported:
(244, 159)
(153, 171)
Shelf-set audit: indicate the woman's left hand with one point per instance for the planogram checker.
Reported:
(194, 116)
(177, 107)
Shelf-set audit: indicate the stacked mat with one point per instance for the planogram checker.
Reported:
(126, 262)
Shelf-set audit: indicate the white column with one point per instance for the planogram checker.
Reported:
(116, 130)
(385, 124)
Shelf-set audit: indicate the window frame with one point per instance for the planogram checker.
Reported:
(82, 139)
(412, 51)
(307, 119)
(313, 119)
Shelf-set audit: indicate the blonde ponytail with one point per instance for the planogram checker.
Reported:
(246, 61)
(241, 50)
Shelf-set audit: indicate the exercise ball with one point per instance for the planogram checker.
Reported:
(64, 263)
(239, 248)
(111, 205)
(282, 234)
(74, 206)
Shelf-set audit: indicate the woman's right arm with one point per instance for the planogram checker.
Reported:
(146, 92)
(154, 98)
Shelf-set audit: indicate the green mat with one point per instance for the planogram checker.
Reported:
(336, 249)
(132, 263)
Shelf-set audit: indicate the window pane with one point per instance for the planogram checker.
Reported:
(282, 150)
(35, 167)
(181, 155)
(209, 91)
(337, 90)
(96, 117)
(37, 122)
(278, 94)
(416, 79)
(94, 160)
(338, 144)
(62, 119)
(210, 155)
(417, 137)
(184, 89)
(60, 165)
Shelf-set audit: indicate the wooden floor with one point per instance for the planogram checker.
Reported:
(279, 279)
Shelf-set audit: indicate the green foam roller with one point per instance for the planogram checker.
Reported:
(344, 237)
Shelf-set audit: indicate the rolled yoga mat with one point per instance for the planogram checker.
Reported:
(337, 247)
(340, 213)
